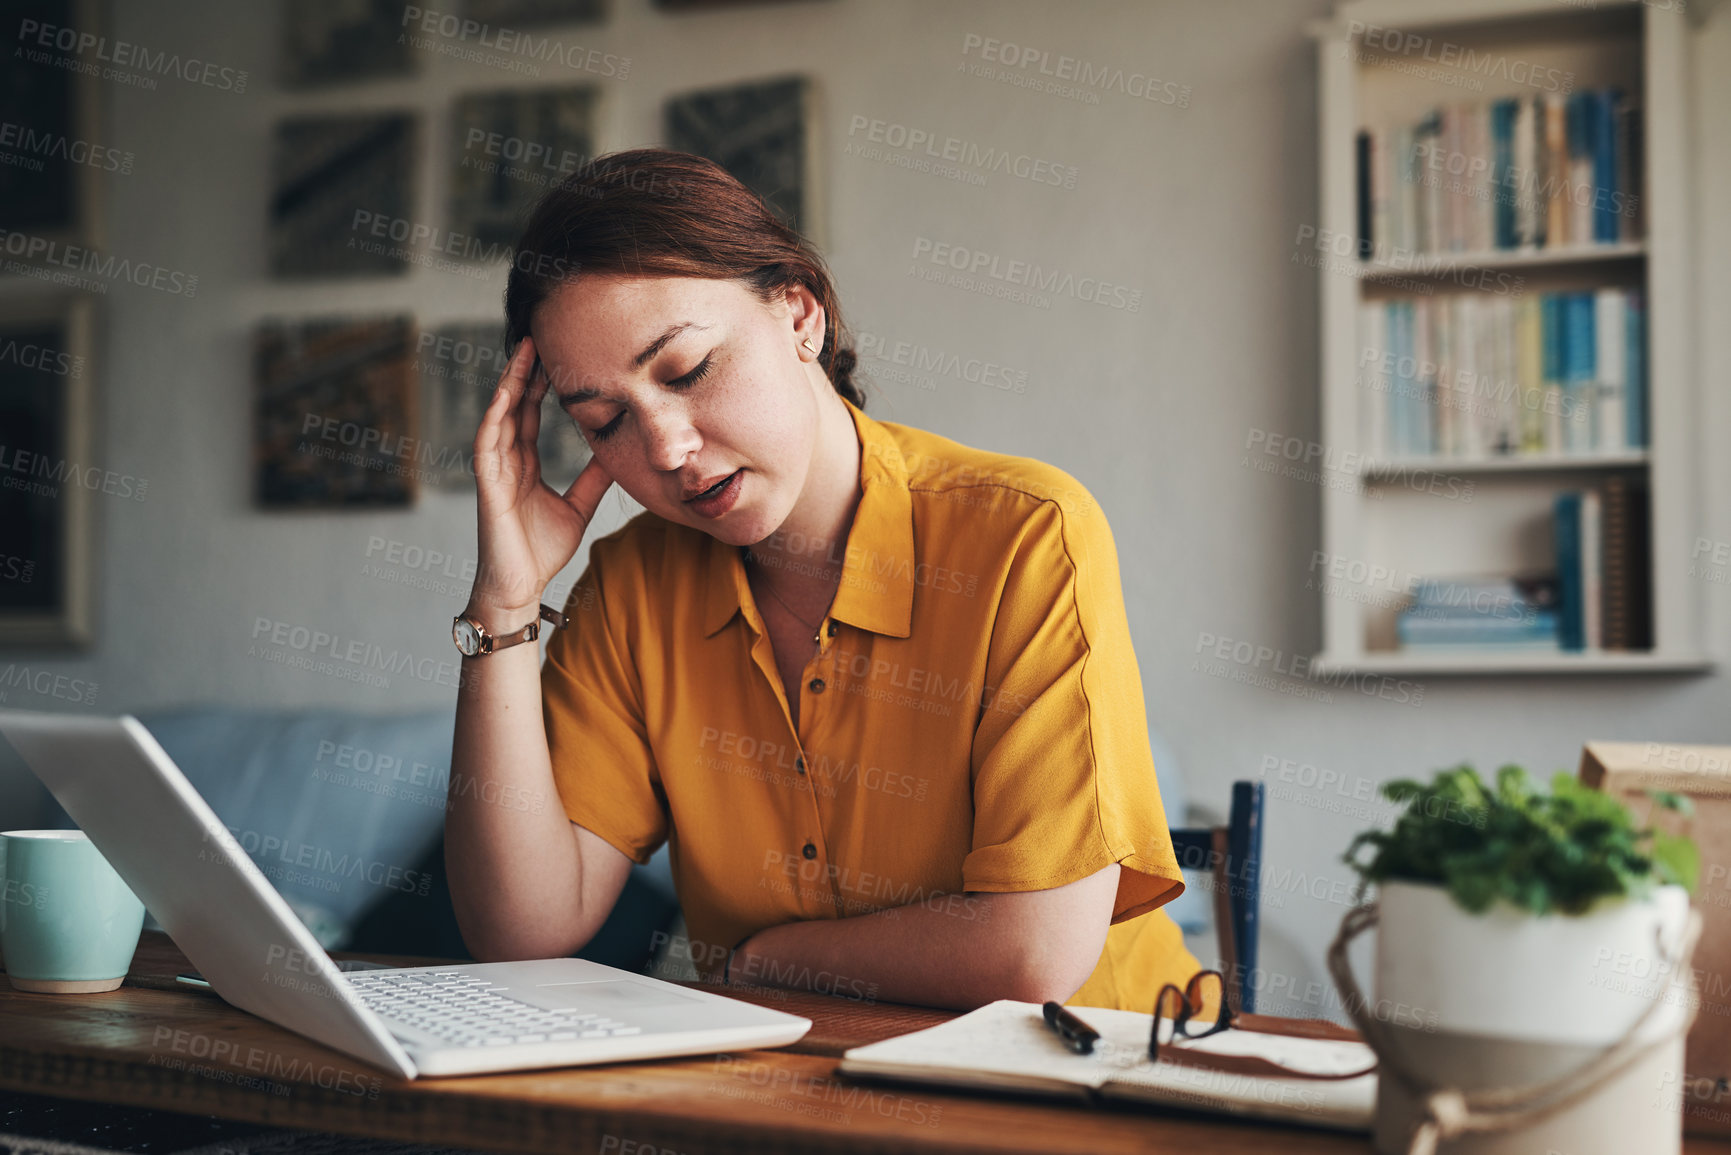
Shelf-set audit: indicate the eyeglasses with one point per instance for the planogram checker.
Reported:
(1180, 1012)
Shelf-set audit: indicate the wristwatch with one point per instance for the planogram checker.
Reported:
(473, 639)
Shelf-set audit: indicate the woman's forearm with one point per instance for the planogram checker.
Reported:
(525, 882)
(509, 853)
(959, 951)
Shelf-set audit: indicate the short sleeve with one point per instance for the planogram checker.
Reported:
(1063, 775)
(592, 705)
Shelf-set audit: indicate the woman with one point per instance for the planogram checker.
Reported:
(875, 686)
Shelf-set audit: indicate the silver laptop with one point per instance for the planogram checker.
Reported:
(129, 797)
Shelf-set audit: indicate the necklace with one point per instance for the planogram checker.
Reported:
(767, 585)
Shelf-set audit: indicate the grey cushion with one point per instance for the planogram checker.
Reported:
(336, 808)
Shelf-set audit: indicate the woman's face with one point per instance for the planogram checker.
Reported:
(679, 382)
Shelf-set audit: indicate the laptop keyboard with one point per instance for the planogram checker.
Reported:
(465, 1011)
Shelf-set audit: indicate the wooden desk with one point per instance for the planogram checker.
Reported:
(154, 1043)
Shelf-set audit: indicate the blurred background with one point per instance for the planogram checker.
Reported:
(254, 259)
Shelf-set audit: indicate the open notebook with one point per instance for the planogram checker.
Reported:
(1006, 1046)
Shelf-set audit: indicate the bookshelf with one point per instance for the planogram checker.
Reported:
(1377, 518)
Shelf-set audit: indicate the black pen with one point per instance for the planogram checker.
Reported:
(1077, 1035)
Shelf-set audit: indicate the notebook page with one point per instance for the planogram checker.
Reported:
(1345, 1103)
(1002, 1038)
(1010, 1041)
(1314, 1056)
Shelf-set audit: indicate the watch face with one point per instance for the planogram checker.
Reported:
(467, 637)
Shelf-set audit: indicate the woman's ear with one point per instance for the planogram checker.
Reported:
(806, 314)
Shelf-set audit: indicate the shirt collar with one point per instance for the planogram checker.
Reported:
(877, 584)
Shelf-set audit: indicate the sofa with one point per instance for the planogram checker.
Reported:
(344, 812)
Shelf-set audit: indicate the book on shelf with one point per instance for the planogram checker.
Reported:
(1470, 375)
(1591, 563)
(1445, 637)
(1614, 574)
(1635, 367)
(1556, 146)
(1545, 171)
(1488, 612)
(1502, 134)
(1627, 141)
(1628, 573)
(1529, 212)
(1604, 567)
(1364, 197)
(1579, 166)
(1611, 368)
(1579, 365)
(1605, 105)
(1490, 593)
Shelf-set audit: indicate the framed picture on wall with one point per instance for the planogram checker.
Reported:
(332, 41)
(49, 477)
(334, 423)
(759, 132)
(533, 13)
(509, 149)
(707, 5)
(47, 112)
(459, 366)
(340, 195)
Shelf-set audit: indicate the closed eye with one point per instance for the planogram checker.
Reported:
(679, 384)
(696, 375)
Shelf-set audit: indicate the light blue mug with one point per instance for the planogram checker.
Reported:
(68, 923)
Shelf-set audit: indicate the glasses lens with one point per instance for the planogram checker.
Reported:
(1207, 994)
(1168, 1010)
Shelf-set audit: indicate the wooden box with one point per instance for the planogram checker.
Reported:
(1703, 773)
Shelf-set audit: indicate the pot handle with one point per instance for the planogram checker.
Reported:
(1448, 1111)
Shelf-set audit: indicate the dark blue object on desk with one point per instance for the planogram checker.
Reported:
(1237, 873)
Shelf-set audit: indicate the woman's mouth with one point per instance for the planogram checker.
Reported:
(720, 497)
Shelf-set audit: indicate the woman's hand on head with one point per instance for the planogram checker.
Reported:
(528, 530)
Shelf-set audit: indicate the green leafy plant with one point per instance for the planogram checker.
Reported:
(1561, 851)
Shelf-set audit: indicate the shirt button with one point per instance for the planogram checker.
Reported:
(815, 685)
(799, 763)
(810, 851)
(832, 629)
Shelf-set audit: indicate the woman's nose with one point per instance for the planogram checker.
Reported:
(669, 437)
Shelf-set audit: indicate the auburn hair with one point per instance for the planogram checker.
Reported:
(656, 212)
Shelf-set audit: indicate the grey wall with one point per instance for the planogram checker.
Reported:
(1197, 207)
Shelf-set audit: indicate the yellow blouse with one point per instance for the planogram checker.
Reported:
(973, 721)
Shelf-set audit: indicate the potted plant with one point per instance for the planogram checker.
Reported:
(1530, 966)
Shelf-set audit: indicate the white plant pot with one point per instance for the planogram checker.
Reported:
(1507, 998)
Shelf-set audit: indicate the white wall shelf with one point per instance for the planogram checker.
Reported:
(1384, 524)
(1451, 262)
(1513, 463)
(1510, 662)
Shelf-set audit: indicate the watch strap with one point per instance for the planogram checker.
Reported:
(492, 643)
